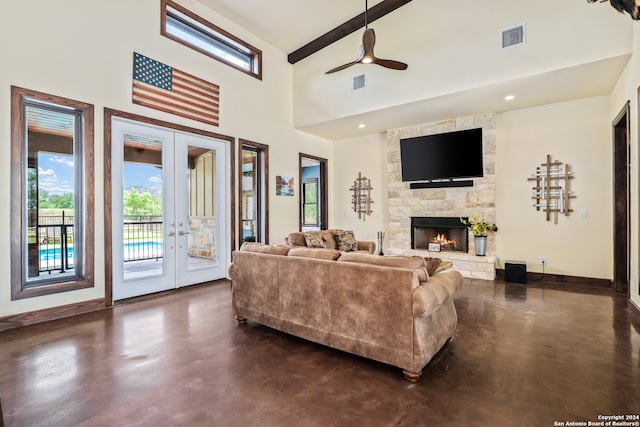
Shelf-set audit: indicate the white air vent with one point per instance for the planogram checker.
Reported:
(358, 82)
(513, 36)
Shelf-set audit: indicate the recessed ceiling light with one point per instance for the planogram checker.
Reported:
(509, 97)
(362, 126)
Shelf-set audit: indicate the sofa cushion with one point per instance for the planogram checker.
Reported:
(412, 262)
(317, 253)
(329, 239)
(296, 239)
(264, 249)
(346, 241)
(314, 240)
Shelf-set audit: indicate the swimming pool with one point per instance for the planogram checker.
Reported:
(132, 251)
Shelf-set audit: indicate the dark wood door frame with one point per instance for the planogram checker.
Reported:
(324, 190)
(263, 153)
(110, 113)
(621, 196)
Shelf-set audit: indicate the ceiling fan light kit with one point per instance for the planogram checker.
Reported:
(366, 51)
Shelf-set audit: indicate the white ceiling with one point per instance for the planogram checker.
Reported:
(290, 24)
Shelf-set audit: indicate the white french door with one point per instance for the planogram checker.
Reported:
(169, 196)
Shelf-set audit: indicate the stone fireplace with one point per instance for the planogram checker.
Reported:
(406, 203)
(447, 233)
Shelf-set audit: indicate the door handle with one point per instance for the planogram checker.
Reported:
(182, 233)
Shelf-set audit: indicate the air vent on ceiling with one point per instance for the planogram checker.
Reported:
(358, 82)
(513, 36)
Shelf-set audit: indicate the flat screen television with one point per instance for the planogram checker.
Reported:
(445, 156)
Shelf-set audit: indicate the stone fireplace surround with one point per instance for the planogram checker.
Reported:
(405, 202)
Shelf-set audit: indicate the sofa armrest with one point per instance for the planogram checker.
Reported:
(430, 295)
(366, 246)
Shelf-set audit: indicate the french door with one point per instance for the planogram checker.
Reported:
(168, 209)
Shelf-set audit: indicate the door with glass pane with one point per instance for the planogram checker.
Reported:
(166, 198)
(200, 200)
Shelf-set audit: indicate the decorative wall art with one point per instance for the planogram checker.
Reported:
(284, 185)
(162, 87)
(552, 193)
(361, 198)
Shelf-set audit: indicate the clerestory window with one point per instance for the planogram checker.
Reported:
(51, 194)
(189, 29)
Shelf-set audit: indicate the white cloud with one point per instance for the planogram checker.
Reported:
(157, 179)
(46, 173)
(65, 160)
(49, 181)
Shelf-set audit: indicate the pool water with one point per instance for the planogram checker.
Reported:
(53, 253)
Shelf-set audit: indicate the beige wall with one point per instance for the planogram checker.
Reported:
(85, 53)
(368, 156)
(627, 90)
(577, 133)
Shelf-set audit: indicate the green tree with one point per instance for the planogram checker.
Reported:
(56, 201)
(141, 203)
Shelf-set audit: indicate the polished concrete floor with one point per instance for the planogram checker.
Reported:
(522, 356)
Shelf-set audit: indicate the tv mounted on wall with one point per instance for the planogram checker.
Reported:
(442, 159)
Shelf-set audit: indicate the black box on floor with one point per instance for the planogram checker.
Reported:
(515, 272)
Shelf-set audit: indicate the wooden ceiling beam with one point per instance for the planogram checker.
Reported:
(342, 30)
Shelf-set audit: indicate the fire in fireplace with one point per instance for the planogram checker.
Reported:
(439, 233)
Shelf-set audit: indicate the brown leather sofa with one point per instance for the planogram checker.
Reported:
(387, 309)
(330, 240)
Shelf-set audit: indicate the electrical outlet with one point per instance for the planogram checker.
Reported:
(543, 260)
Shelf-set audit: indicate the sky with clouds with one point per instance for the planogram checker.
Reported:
(55, 175)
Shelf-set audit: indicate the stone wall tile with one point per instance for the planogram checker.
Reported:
(465, 123)
(453, 202)
(394, 134)
(410, 131)
(430, 194)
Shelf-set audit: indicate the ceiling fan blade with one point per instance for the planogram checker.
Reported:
(368, 41)
(341, 67)
(367, 56)
(390, 63)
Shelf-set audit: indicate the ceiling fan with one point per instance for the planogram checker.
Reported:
(366, 51)
(632, 7)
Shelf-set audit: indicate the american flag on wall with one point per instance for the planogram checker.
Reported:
(164, 88)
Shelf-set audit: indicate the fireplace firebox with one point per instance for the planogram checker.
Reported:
(439, 234)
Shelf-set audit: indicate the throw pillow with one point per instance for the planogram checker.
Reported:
(313, 240)
(346, 241)
(432, 265)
